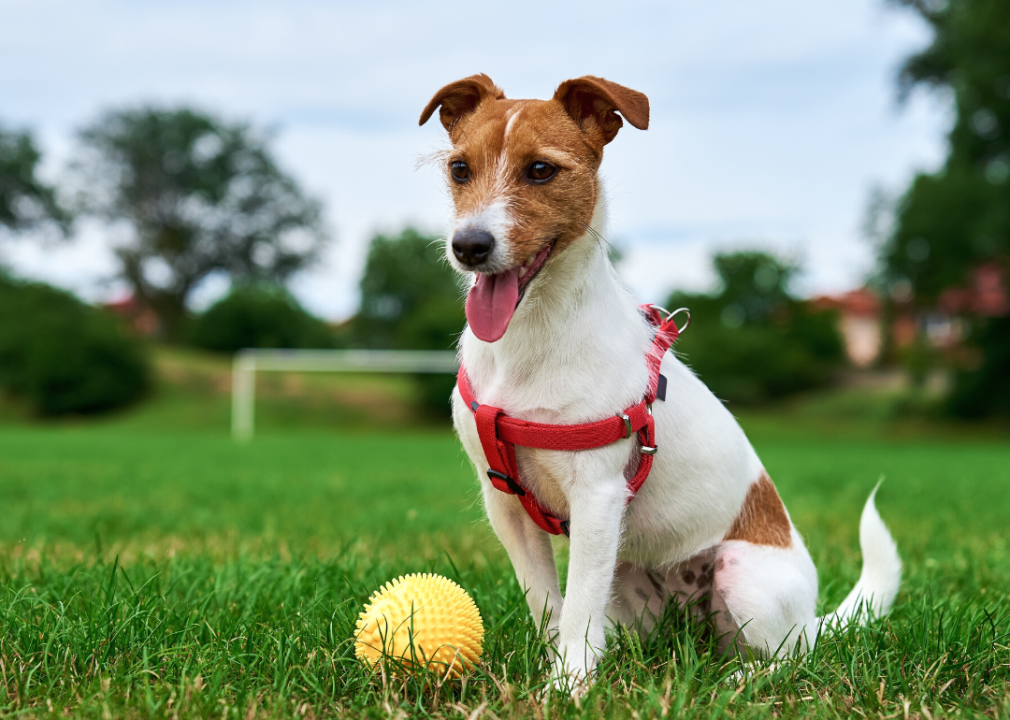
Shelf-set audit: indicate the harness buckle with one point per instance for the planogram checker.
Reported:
(627, 424)
(507, 479)
(646, 450)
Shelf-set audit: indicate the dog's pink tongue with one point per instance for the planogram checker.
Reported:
(491, 302)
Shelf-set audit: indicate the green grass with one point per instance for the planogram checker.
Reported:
(151, 568)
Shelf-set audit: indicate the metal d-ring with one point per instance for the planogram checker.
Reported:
(673, 314)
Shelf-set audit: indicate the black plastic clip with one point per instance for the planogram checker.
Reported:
(566, 526)
(661, 387)
(513, 485)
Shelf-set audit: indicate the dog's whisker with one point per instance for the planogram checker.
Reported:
(589, 228)
(592, 231)
(436, 157)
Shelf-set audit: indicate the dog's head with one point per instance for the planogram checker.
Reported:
(523, 175)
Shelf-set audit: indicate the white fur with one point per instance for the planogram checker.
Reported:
(575, 352)
(878, 582)
(513, 114)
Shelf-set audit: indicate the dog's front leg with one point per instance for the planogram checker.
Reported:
(597, 508)
(529, 548)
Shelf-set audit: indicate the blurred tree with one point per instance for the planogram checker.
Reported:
(985, 390)
(751, 341)
(754, 285)
(201, 196)
(62, 356)
(411, 299)
(258, 315)
(951, 222)
(25, 201)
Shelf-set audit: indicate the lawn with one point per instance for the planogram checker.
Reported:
(152, 568)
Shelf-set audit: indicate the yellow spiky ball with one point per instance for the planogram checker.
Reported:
(421, 620)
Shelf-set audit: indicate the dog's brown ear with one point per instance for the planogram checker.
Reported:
(594, 103)
(460, 98)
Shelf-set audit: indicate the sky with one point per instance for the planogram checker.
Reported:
(771, 122)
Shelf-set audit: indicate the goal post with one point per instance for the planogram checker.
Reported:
(248, 362)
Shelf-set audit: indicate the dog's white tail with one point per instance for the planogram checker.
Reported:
(878, 582)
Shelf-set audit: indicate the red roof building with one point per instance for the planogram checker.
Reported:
(859, 323)
(141, 318)
(985, 295)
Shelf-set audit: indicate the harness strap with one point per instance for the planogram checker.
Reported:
(499, 433)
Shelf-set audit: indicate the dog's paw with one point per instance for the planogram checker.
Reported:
(752, 669)
(573, 672)
(561, 686)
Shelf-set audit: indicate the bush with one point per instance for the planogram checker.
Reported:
(258, 316)
(65, 357)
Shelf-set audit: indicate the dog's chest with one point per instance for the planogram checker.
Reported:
(550, 475)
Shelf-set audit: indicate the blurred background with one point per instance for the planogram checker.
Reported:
(826, 186)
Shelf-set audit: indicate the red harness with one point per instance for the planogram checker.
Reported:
(499, 433)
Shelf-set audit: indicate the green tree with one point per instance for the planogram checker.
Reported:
(950, 222)
(751, 341)
(411, 299)
(26, 202)
(755, 285)
(200, 196)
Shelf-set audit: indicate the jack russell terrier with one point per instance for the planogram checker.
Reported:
(569, 404)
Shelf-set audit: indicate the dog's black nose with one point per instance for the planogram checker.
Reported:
(472, 247)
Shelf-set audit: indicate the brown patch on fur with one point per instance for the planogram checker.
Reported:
(499, 139)
(762, 519)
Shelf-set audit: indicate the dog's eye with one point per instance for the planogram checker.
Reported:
(541, 172)
(460, 171)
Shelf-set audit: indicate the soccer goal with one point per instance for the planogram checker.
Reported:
(248, 362)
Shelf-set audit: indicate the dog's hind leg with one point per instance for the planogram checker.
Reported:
(764, 597)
